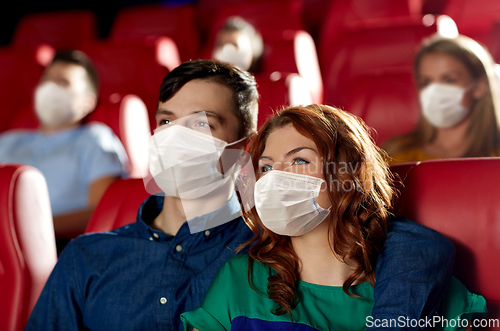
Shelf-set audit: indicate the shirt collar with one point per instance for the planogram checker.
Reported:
(153, 205)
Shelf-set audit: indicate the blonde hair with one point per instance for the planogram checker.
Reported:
(485, 118)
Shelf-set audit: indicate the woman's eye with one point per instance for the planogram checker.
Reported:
(450, 80)
(265, 168)
(299, 161)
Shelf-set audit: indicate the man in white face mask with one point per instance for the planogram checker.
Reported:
(162, 265)
(79, 161)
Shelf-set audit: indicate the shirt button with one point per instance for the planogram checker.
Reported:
(163, 301)
(178, 248)
(207, 233)
(156, 235)
(151, 238)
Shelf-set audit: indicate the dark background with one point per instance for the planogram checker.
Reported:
(105, 11)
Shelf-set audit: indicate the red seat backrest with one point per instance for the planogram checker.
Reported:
(474, 19)
(61, 29)
(27, 242)
(19, 76)
(145, 22)
(129, 68)
(278, 90)
(264, 15)
(342, 13)
(459, 198)
(293, 51)
(387, 103)
(118, 205)
(368, 48)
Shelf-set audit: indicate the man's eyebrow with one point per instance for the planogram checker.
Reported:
(298, 149)
(213, 115)
(163, 112)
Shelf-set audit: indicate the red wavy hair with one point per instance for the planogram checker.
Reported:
(359, 217)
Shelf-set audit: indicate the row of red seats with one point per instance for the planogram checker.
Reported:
(457, 197)
(363, 43)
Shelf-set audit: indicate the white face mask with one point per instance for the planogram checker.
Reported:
(185, 163)
(54, 105)
(287, 203)
(235, 56)
(441, 105)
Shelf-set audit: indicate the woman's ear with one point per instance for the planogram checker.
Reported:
(480, 89)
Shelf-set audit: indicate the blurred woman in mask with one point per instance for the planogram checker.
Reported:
(459, 99)
(79, 161)
(238, 43)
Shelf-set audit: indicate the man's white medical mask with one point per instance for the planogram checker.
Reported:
(241, 57)
(442, 104)
(287, 203)
(54, 105)
(186, 163)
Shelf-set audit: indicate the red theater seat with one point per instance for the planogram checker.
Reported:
(149, 22)
(278, 90)
(474, 19)
(264, 15)
(341, 14)
(459, 198)
(133, 68)
(27, 242)
(373, 46)
(62, 29)
(118, 205)
(293, 51)
(19, 76)
(126, 115)
(387, 103)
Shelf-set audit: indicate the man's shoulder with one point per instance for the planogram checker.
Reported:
(106, 238)
(16, 136)
(400, 225)
(96, 132)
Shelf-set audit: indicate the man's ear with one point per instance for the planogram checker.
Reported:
(480, 89)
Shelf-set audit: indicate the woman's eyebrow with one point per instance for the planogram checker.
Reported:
(265, 157)
(298, 149)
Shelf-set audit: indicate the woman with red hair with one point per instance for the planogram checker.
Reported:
(320, 220)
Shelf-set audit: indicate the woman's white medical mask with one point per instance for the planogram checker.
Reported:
(241, 57)
(442, 104)
(287, 203)
(56, 106)
(186, 163)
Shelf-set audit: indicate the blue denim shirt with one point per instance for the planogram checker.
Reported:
(138, 278)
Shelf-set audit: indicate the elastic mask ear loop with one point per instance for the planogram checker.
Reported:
(231, 157)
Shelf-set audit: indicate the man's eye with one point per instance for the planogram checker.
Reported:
(265, 168)
(163, 122)
(202, 124)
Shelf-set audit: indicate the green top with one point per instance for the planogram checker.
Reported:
(231, 304)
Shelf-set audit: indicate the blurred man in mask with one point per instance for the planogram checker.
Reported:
(79, 161)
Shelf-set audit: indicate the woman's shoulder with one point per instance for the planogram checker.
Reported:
(238, 266)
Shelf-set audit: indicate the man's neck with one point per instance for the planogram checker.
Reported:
(171, 217)
(51, 130)
(176, 211)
